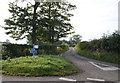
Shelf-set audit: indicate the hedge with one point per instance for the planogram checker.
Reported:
(17, 50)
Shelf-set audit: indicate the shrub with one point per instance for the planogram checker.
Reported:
(101, 55)
(47, 49)
(111, 42)
(15, 50)
(105, 49)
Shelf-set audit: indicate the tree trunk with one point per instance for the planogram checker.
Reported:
(34, 23)
(50, 31)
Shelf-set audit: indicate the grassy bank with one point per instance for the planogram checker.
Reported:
(39, 65)
(100, 55)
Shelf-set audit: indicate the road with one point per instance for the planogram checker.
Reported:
(91, 70)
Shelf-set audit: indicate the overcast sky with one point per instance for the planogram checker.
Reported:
(91, 19)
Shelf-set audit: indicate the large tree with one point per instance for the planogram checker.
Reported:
(76, 38)
(22, 23)
(42, 21)
(56, 19)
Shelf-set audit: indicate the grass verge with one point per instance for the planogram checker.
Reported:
(100, 55)
(41, 65)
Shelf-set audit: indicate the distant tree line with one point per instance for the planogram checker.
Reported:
(71, 42)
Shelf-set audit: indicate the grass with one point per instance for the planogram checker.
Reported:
(61, 50)
(39, 65)
(100, 55)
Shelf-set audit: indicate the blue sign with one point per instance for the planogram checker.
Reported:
(33, 51)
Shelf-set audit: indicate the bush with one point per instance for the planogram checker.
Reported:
(42, 65)
(47, 49)
(101, 55)
(105, 49)
(111, 42)
(15, 50)
(18, 50)
(64, 46)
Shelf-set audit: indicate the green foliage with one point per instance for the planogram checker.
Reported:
(104, 49)
(70, 44)
(92, 45)
(62, 48)
(15, 50)
(47, 49)
(82, 45)
(48, 22)
(100, 55)
(18, 50)
(111, 42)
(56, 20)
(42, 65)
(75, 39)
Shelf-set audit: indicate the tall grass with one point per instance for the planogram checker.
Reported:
(111, 57)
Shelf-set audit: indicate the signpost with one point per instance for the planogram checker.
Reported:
(33, 51)
(35, 46)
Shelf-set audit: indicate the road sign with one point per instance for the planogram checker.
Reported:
(35, 46)
(33, 51)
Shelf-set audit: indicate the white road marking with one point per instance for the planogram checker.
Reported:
(104, 68)
(93, 79)
(66, 79)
